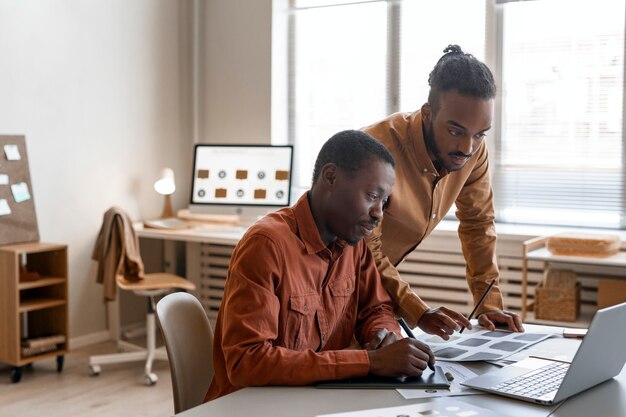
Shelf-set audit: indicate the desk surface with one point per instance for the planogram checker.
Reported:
(606, 400)
(207, 233)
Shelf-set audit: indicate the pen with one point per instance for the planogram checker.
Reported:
(409, 333)
(471, 316)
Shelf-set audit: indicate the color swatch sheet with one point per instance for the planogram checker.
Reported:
(481, 345)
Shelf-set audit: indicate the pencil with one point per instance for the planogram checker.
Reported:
(482, 299)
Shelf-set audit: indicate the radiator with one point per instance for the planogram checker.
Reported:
(435, 271)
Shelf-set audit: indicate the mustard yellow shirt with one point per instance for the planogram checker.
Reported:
(420, 199)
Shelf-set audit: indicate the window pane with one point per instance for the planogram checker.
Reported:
(339, 72)
(426, 29)
(560, 151)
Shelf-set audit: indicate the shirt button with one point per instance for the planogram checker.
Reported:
(347, 290)
(434, 215)
(305, 307)
(425, 170)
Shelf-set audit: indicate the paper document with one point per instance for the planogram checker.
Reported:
(460, 374)
(481, 345)
(559, 349)
(439, 408)
(4, 179)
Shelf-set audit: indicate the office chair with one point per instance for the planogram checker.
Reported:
(189, 342)
(118, 231)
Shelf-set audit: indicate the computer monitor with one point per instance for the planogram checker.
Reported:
(247, 180)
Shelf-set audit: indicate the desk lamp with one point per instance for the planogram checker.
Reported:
(165, 185)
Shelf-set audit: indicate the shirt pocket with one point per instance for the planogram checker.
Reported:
(341, 290)
(301, 320)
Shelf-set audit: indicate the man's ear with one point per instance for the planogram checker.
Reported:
(328, 175)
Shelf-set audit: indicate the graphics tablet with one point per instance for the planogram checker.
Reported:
(428, 380)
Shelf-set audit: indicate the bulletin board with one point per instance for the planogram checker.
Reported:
(18, 221)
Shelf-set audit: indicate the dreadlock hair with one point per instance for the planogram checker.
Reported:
(350, 150)
(460, 72)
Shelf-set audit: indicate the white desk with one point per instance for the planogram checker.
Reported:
(221, 234)
(203, 259)
(606, 400)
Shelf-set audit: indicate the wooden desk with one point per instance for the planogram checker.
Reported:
(606, 400)
(535, 250)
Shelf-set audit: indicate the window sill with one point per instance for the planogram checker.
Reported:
(521, 232)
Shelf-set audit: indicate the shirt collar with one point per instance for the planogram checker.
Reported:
(307, 229)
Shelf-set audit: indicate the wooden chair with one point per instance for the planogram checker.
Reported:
(151, 286)
(189, 342)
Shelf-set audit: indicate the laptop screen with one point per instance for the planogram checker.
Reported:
(241, 175)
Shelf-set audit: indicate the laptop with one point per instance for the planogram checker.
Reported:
(601, 356)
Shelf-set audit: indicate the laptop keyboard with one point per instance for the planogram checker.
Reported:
(536, 383)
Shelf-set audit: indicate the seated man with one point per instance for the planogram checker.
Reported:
(302, 284)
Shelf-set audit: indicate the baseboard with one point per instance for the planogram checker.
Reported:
(89, 339)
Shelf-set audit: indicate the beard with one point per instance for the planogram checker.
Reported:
(440, 162)
(431, 146)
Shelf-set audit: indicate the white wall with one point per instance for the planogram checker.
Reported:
(235, 71)
(102, 92)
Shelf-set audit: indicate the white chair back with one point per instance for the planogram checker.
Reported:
(189, 342)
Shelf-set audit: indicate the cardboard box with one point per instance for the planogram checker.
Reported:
(611, 292)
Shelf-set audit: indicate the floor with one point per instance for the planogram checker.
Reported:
(118, 390)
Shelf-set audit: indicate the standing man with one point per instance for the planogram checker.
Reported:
(302, 284)
(441, 159)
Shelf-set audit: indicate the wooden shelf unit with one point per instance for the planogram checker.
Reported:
(535, 250)
(34, 308)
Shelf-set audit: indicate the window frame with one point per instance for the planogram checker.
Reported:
(494, 39)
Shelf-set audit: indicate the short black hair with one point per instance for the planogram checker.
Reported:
(460, 72)
(350, 150)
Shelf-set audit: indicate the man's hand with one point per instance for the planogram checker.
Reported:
(381, 338)
(442, 322)
(403, 358)
(490, 318)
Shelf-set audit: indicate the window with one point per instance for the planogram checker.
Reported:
(557, 150)
(339, 75)
(559, 156)
(353, 63)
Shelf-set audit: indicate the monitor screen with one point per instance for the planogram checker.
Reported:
(242, 175)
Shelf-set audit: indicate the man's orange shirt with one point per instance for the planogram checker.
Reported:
(292, 305)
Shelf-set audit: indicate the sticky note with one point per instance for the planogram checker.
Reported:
(4, 179)
(20, 192)
(12, 152)
(4, 207)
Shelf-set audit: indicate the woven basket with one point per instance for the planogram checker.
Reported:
(560, 304)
